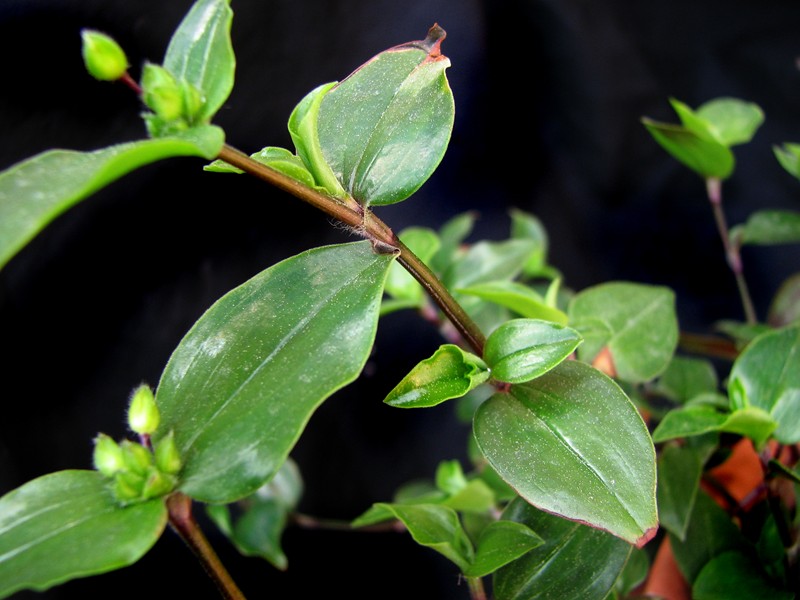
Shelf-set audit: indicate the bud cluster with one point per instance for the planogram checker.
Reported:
(175, 103)
(136, 472)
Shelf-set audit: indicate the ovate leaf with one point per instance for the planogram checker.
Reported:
(707, 158)
(766, 375)
(37, 190)
(637, 324)
(384, 129)
(450, 373)
(769, 227)
(500, 543)
(243, 383)
(521, 349)
(788, 156)
(549, 439)
(67, 525)
(734, 121)
(201, 53)
(574, 561)
(518, 297)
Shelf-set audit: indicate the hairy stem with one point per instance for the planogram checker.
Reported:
(183, 523)
(350, 212)
(714, 190)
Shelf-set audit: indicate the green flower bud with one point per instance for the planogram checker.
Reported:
(157, 484)
(161, 92)
(138, 459)
(107, 457)
(128, 487)
(167, 458)
(192, 100)
(143, 415)
(103, 57)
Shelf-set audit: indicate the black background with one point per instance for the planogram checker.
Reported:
(548, 100)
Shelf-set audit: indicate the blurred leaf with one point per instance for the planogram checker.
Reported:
(687, 377)
(500, 543)
(769, 227)
(766, 375)
(240, 388)
(66, 525)
(488, 261)
(37, 190)
(201, 52)
(733, 121)
(575, 561)
(451, 236)
(549, 439)
(522, 349)
(634, 573)
(693, 420)
(527, 226)
(400, 284)
(518, 297)
(636, 322)
(679, 471)
(450, 373)
(705, 157)
(785, 306)
(735, 576)
(788, 156)
(384, 129)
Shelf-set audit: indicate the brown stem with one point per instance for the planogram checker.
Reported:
(350, 212)
(714, 190)
(183, 523)
(476, 589)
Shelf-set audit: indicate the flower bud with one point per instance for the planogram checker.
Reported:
(128, 487)
(103, 57)
(161, 92)
(138, 459)
(168, 460)
(192, 100)
(143, 415)
(157, 484)
(107, 456)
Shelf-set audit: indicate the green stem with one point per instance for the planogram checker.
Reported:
(714, 190)
(476, 590)
(183, 523)
(350, 212)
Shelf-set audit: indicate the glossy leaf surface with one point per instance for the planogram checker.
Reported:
(766, 375)
(67, 525)
(37, 190)
(244, 381)
(574, 561)
(201, 52)
(500, 543)
(549, 439)
(518, 297)
(449, 373)
(707, 158)
(488, 261)
(384, 129)
(521, 349)
(636, 322)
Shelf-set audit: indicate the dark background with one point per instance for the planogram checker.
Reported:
(548, 100)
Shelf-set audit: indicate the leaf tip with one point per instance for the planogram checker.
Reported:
(646, 537)
(433, 42)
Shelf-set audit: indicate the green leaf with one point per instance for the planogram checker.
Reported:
(766, 375)
(733, 121)
(450, 373)
(785, 306)
(752, 422)
(769, 227)
(37, 190)
(385, 128)
(527, 226)
(200, 52)
(687, 377)
(788, 156)
(549, 439)
(400, 284)
(242, 384)
(575, 561)
(707, 158)
(636, 322)
(735, 576)
(518, 297)
(67, 525)
(450, 477)
(436, 527)
(451, 236)
(710, 533)
(488, 261)
(634, 573)
(303, 130)
(500, 543)
(679, 471)
(522, 349)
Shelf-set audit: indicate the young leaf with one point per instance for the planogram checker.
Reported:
(242, 384)
(636, 322)
(450, 373)
(766, 375)
(518, 297)
(488, 261)
(384, 129)
(200, 52)
(549, 439)
(687, 377)
(574, 561)
(500, 543)
(769, 227)
(788, 156)
(733, 121)
(436, 527)
(707, 158)
(37, 190)
(67, 525)
(451, 235)
(400, 284)
(785, 306)
(527, 226)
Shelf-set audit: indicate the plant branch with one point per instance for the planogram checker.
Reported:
(183, 523)
(714, 191)
(476, 589)
(363, 221)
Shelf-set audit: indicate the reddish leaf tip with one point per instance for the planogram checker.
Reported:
(433, 42)
(646, 537)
